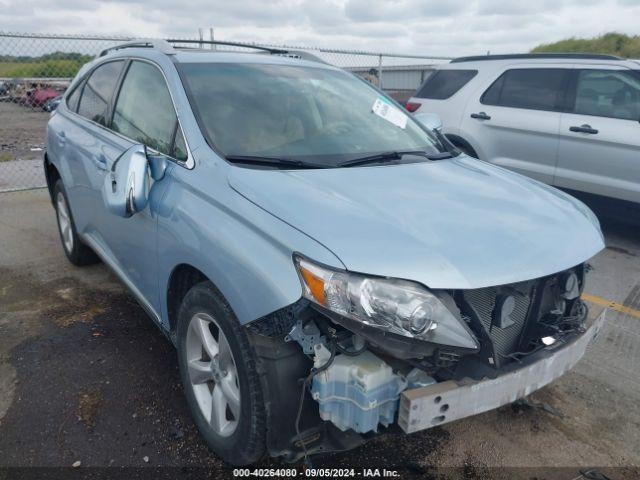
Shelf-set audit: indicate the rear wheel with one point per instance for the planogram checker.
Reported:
(218, 371)
(77, 252)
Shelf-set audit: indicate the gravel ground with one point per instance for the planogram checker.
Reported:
(86, 377)
(22, 132)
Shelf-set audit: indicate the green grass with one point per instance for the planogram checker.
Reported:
(49, 68)
(619, 44)
(57, 64)
(6, 67)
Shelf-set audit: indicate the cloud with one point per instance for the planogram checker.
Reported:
(401, 10)
(430, 27)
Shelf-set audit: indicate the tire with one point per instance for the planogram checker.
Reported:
(77, 252)
(237, 435)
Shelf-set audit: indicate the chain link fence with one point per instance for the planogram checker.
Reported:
(36, 69)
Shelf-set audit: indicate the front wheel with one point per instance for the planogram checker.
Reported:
(218, 371)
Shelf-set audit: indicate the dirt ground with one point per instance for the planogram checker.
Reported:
(86, 377)
(21, 132)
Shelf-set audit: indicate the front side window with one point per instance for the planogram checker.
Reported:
(304, 113)
(98, 90)
(444, 83)
(608, 93)
(144, 111)
(530, 88)
(180, 147)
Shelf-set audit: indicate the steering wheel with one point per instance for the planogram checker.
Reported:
(338, 128)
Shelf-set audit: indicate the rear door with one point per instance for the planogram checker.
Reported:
(599, 149)
(80, 139)
(514, 120)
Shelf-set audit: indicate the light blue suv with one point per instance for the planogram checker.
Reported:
(327, 266)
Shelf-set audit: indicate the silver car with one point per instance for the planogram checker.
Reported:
(568, 120)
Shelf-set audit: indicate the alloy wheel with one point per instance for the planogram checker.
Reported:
(213, 374)
(64, 222)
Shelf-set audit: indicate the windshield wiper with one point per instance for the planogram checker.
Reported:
(275, 161)
(394, 155)
(439, 155)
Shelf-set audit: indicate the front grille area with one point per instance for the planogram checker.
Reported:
(483, 302)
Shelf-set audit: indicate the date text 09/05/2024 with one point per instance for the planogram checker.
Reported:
(316, 472)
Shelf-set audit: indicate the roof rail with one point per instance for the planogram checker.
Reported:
(514, 56)
(167, 47)
(302, 55)
(161, 45)
(229, 44)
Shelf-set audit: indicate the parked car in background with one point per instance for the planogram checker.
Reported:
(42, 95)
(327, 267)
(52, 104)
(38, 96)
(569, 120)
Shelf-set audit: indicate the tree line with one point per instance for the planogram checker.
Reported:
(619, 44)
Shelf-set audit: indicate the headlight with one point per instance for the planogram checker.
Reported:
(397, 306)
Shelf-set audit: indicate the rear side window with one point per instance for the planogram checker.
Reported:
(531, 88)
(608, 93)
(444, 83)
(144, 111)
(98, 90)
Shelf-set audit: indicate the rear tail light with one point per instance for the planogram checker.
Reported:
(412, 106)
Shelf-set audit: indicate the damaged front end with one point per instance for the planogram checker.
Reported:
(361, 355)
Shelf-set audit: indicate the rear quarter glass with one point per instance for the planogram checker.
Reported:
(445, 83)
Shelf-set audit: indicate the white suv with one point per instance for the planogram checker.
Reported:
(569, 120)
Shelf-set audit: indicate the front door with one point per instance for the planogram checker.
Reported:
(143, 113)
(599, 150)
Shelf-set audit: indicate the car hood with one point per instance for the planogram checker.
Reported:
(459, 223)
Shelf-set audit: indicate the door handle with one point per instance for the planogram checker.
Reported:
(481, 116)
(584, 129)
(100, 161)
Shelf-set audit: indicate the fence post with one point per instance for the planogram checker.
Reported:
(380, 71)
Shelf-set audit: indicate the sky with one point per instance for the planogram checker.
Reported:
(424, 27)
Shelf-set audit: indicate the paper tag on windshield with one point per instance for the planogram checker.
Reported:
(389, 113)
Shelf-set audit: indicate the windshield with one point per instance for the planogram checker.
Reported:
(308, 114)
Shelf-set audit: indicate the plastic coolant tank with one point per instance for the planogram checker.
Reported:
(356, 392)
